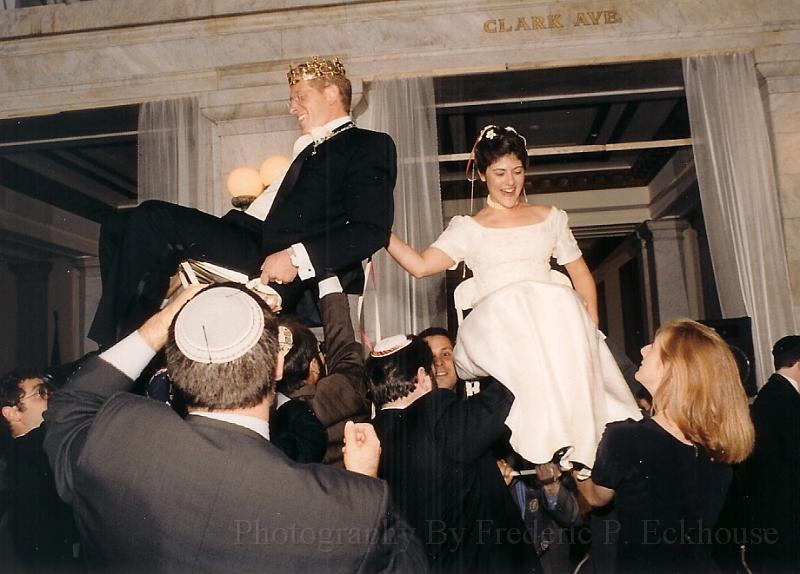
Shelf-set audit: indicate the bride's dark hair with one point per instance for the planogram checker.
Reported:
(495, 142)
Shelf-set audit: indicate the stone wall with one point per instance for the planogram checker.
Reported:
(783, 105)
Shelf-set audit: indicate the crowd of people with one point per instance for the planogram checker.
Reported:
(257, 448)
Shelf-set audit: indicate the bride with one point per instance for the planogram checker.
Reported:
(537, 337)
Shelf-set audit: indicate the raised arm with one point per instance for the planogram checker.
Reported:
(468, 428)
(343, 353)
(71, 411)
(430, 261)
(342, 394)
(585, 286)
(594, 494)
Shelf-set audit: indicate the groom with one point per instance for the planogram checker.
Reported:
(333, 208)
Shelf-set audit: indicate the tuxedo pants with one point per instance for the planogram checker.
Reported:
(141, 249)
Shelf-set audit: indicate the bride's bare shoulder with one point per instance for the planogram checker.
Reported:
(536, 212)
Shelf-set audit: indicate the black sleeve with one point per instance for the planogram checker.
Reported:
(368, 193)
(612, 464)
(468, 428)
(567, 511)
(298, 433)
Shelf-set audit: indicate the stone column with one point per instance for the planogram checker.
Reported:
(89, 288)
(32, 312)
(666, 263)
(783, 115)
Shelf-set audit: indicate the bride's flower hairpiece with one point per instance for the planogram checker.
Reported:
(491, 131)
(488, 133)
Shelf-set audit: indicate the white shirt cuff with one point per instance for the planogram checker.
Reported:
(330, 285)
(303, 262)
(131, 355)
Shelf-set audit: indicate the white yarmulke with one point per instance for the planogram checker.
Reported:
(219, 325)
(390, 345)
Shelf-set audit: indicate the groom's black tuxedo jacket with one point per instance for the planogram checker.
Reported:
(339, 203)
(152, 492)
(336, 199)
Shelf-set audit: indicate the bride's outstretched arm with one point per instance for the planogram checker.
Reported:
(585, 286)
(430, 261)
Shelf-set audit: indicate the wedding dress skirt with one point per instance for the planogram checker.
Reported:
(538, 340)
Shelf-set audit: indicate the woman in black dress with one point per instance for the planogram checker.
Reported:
(669, 473)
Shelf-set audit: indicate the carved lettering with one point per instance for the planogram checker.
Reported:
(580, 19)
(551, 21)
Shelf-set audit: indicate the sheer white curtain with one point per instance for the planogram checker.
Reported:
(405, 109)
(172, 165)
(739, 195)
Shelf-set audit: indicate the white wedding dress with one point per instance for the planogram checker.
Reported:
(536, 338)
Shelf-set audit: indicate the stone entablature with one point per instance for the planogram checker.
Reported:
(106, 52)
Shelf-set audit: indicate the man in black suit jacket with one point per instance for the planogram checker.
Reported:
(436, 455)
(775, 498)
(153, 492)
(43, 532)
(334, 207)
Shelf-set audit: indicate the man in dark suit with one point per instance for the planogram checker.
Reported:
(43, 532)
(153, 492)
(332, 209)
(331, 384)
(775, 502)
(436, 456)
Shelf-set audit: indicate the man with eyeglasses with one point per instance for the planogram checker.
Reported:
(43, 532)
(24, 399)
(330, 210)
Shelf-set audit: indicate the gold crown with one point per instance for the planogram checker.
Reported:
(316, 67)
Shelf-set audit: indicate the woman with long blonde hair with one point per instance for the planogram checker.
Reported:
(669, 473)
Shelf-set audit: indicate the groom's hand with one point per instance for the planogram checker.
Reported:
(278, 267)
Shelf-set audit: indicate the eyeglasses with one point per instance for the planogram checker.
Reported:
(297, 99)
(41, 389)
